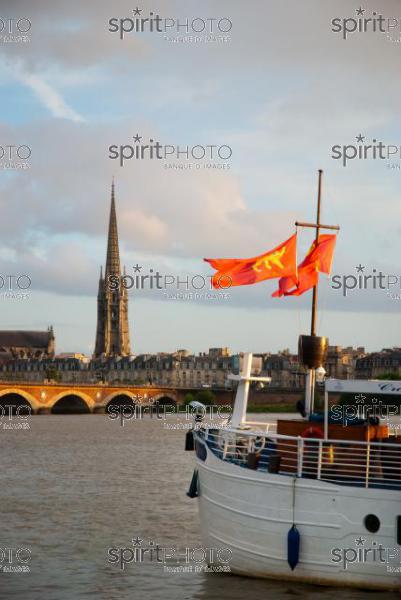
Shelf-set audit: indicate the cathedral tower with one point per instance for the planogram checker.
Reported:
(112, 333)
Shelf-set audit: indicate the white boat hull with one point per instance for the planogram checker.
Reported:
(250, 512)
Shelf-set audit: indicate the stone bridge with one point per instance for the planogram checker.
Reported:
(55, 397)
(93, 398)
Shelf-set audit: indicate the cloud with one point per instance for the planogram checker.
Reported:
(144, 229)
(48, 96)
(188, 214)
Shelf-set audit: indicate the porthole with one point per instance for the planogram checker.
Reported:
(372, 523)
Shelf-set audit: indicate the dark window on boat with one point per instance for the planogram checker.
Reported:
(399, 530)
(372, 523)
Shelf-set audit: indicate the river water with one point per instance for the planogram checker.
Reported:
(75, 486)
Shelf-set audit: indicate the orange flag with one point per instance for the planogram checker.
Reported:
(279, 262)
(318, 260)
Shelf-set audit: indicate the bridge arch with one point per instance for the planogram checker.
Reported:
(25, 398)
(71, 402)
(165, 398)
(121, 398)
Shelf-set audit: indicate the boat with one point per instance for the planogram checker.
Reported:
(312, 499)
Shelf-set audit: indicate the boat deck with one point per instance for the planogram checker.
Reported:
(356, 463)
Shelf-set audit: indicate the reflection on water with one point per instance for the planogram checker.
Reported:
(75, 486)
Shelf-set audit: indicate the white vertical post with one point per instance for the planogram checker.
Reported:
(326, 414)
(367, 465)
(225, 449)
(312, 390)
(300, 456)
(241, 397)
(319, 463)
(308, 392)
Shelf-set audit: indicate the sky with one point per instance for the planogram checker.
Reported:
(273, 83)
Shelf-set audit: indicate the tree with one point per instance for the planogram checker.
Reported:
(390, 376)
(53, 374)
(188, 398)
(206, 397)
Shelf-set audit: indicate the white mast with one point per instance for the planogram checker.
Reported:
(241, 397)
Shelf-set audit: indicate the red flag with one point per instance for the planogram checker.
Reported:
(318, 260)
(279, 262)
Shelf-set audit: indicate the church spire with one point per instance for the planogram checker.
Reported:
(112, 332)
(113, 254)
